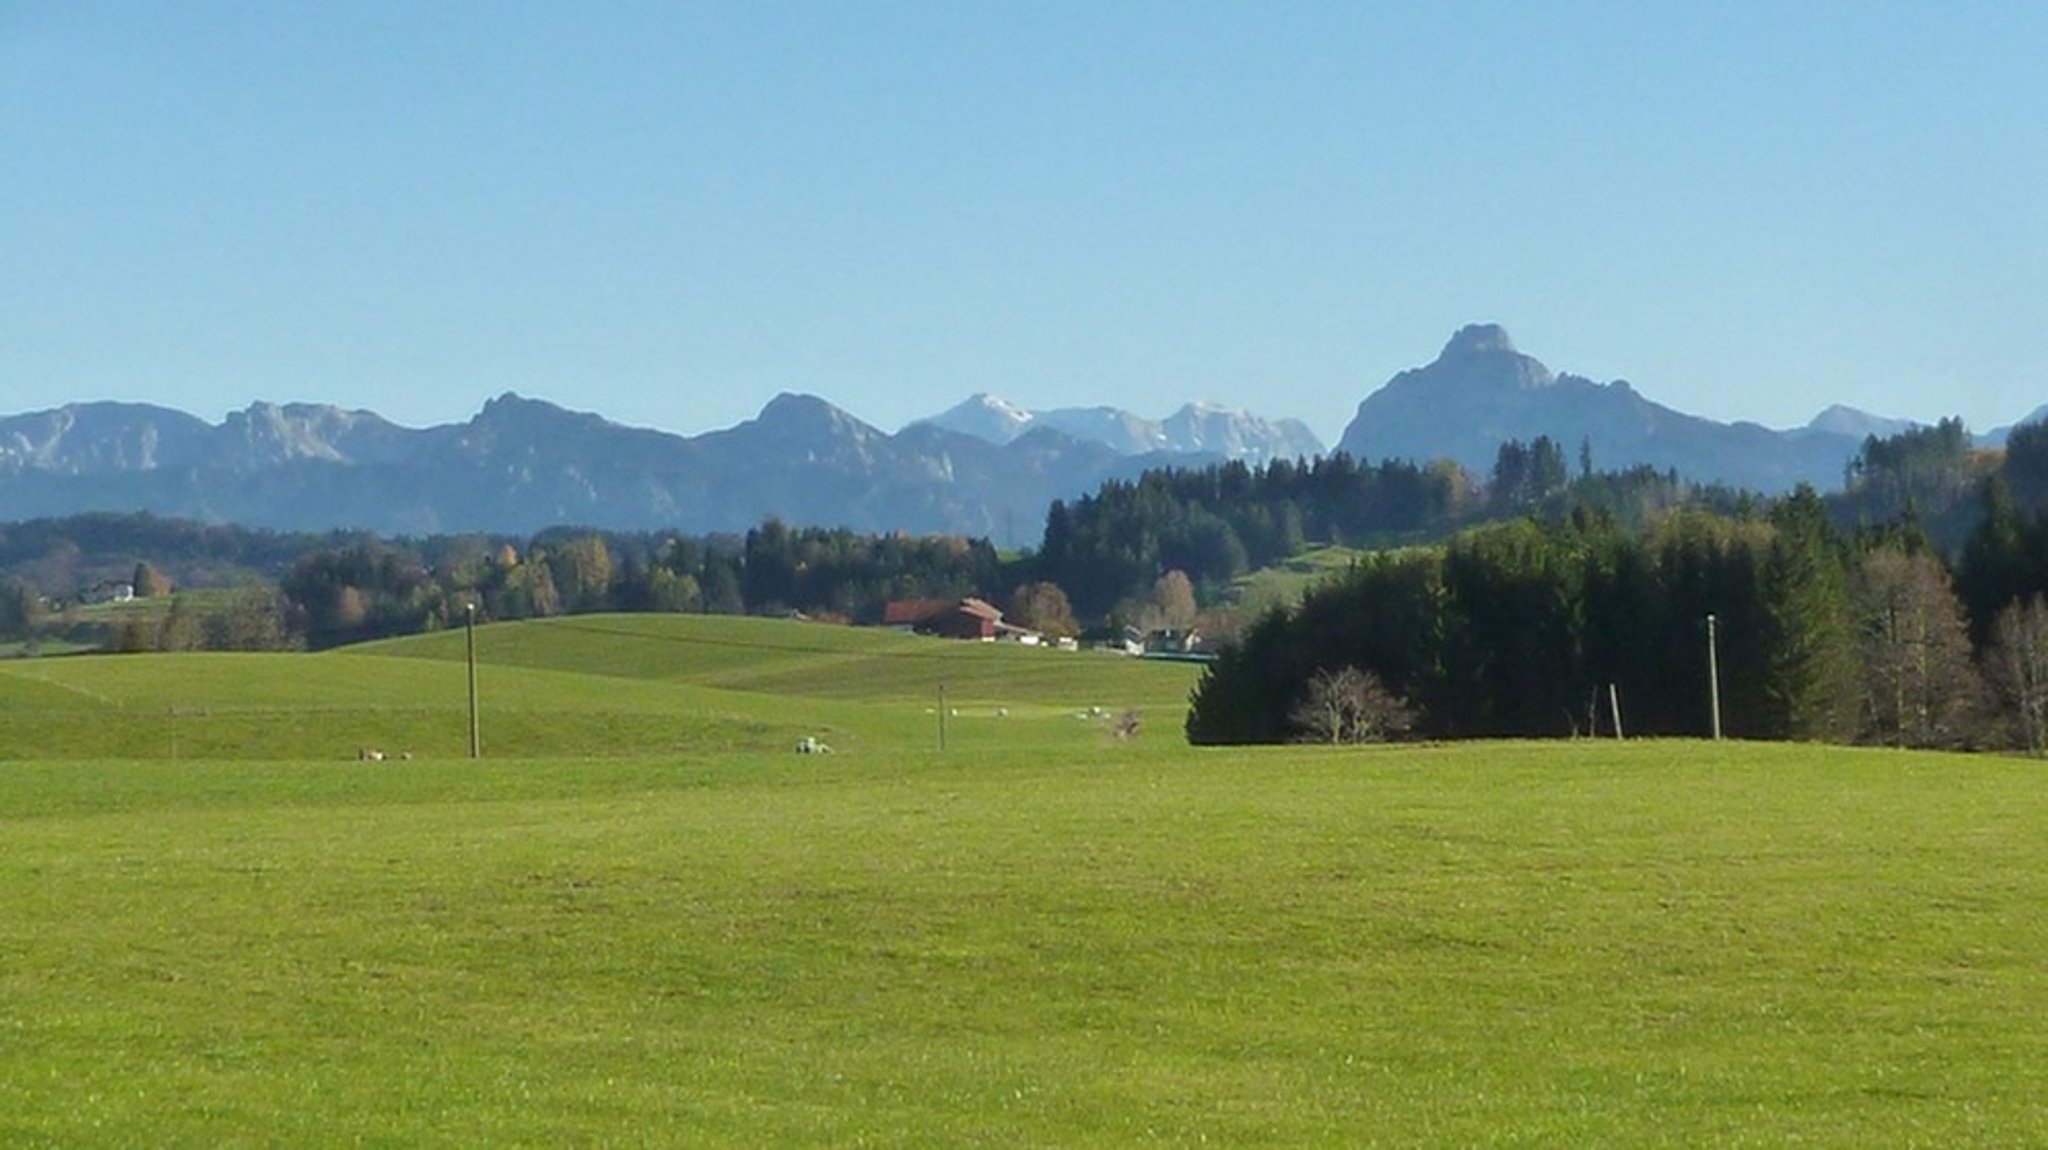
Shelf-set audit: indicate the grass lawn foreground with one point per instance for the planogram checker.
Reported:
(1081, 942)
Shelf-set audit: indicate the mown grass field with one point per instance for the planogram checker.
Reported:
(589, 686)
(1060, 941)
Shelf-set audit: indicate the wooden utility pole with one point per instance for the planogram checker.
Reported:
(1713, 679)
(1614, 706)
(476, 742)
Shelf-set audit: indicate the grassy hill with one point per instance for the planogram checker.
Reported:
(642, 918)
(589, 686)
(1284, 583)
(1564, 944)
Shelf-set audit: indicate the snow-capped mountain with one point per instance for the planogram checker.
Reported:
(1197, 428)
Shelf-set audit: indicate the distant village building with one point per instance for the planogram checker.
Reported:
(1163, 643)
(1170, 641)
(107, 591)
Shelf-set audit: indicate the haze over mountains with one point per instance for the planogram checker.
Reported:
(984, 467)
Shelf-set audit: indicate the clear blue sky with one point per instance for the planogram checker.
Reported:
(668, 212)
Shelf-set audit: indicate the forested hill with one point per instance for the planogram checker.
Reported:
(1216, 523)
(1774, 627)
(1911, 610)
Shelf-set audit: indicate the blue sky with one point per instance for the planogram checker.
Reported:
(669, 212)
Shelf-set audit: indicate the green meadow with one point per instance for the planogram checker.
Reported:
(1284, 583)
(643, 920)
(585, 687)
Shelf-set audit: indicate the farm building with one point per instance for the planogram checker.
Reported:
(968, 618)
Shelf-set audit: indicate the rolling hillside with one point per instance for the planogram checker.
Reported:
(587, 686)
(642, 913)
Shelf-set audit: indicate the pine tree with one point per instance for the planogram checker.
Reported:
(1809, 686)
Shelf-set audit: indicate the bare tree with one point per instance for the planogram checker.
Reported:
(1347, 705)
(1171, 605)
(1043, 607)
(2017, 663)
(1919, 684)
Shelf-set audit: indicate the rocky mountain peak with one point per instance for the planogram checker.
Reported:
(1479, 358)
(998, 405)
(800, 410)
(1204, 426)
(1478, 339)
(266, 433)
(1841, 419)
(515, 413)
(983, 416)
(809, 425)
(81, 438)
(1481, 392)
(512, 405)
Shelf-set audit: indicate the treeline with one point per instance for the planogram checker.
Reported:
(360, 587)
(375, 589)
(1532, 628)
(322, 590)
(1932, 476)
(59, 557)
(1218, 522)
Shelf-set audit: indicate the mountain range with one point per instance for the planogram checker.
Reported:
(521, 464)
(1197, 428)
(984, 467)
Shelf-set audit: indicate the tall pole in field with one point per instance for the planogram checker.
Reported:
(476, 743)
(1713, 679)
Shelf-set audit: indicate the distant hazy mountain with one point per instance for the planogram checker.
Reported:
(97, 438)
(1237, 434)
(1481, 391)
(985, 467)
(1839, 419)
(1997, 436)
(85, 438)
(1195, 428)
(522, 464)
(982, 416)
